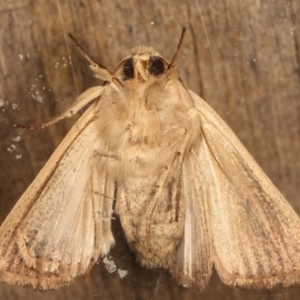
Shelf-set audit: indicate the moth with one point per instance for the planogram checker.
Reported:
(188, 194)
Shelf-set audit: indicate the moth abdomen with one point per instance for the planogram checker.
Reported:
(147, 213)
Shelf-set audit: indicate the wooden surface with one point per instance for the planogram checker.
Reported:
(242, 57)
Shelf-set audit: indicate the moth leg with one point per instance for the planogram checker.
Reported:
(171, 178)
(169, 185)
(82, 100)
(102, 188)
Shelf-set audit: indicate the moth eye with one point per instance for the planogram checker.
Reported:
(128, 70)
(156, 66)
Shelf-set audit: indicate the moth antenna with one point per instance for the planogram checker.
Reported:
(176, 55)
(100, 71)
(84, 53)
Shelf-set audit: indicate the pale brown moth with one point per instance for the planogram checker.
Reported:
(189, 196)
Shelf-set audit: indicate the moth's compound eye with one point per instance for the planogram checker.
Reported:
(156, 66)
(128, 68)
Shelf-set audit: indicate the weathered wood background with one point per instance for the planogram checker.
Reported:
(242, 57)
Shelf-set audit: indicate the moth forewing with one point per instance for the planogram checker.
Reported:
(255, 232)
(189, 196)
(56, 212)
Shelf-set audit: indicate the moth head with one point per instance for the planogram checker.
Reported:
(144, 64)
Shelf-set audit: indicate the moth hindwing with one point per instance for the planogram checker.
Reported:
(189, 196)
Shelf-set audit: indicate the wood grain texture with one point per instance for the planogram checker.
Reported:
(242, 57)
